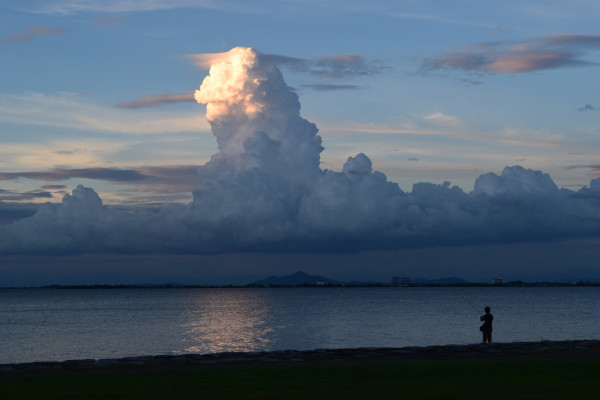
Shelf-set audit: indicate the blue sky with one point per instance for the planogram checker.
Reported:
(99, 93)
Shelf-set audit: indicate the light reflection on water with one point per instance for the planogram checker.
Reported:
(232, 321)
(45, 324)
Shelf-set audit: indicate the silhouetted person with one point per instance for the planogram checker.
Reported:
(486, 328)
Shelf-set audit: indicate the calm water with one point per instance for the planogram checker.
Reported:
(47, 324)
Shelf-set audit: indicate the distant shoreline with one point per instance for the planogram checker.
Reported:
(351, 285)
(541, 350)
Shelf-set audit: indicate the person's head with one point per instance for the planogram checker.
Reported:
(487, 309)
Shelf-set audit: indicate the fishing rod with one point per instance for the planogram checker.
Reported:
(469, 303)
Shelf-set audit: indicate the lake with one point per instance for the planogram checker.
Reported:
(61, 324)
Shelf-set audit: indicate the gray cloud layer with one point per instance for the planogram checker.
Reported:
(356, 209)
(265, 191)
(517, 56)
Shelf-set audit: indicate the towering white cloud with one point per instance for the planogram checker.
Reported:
(256, 119)
(264, 191)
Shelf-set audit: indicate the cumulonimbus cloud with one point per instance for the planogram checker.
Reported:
(517, 56)
(265, 191)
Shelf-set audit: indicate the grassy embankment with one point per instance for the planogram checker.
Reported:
(458, 379)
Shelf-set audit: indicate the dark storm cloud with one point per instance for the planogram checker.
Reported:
(517, 56)
(353, 210)
(10, 212)
(30, 34)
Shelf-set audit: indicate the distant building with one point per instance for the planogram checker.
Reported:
(400, 280)
(320, 283)
(497, 281)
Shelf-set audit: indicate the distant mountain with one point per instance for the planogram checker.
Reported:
(298, 278)
(302, 278)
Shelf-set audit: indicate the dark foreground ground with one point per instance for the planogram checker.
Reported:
(529, 370)
(542, 350)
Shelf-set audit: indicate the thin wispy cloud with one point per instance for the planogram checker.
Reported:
(338, 66)
(445, 119)
(159, 100)
(109, 20)
(68, 7)
(104, 174)
(470, 82)
(59, 153)
(588, 107)
(72, 111)
(517, 56)
(30, 34)
(172, 179)
(442, 19)
(450, 127)
(327, 87)
(6, 195)
(54, 187)
(344, 65)
(594, 169)
(177, 181)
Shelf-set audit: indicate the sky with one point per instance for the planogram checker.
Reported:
(388, 138)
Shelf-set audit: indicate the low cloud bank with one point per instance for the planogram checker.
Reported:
(265, 191)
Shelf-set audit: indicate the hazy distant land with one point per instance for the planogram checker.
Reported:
(302, 279)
